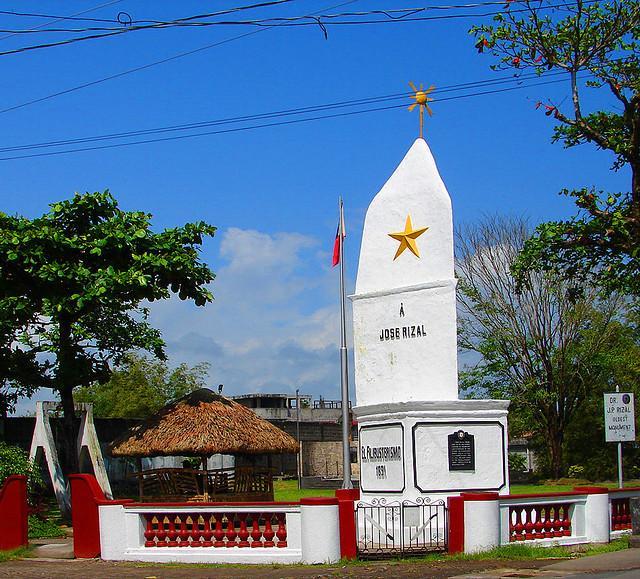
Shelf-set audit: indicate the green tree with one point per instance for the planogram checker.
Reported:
(81, 274)
(140, 386)
(537, 347)
(14, 460)
(595, 43)
(585, 439)
(20, 370)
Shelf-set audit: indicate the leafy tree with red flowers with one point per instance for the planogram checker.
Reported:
(596, 44)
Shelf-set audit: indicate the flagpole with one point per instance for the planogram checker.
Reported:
(344, 374)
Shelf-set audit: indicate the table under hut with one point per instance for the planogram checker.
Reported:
(202, 424)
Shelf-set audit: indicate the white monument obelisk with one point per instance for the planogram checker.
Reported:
(416, 438)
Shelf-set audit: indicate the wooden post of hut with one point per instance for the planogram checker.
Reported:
(205, 478)
(140, 483)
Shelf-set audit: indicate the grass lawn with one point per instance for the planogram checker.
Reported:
(565, 485)
(538, 552)
(287, 490)
(505, 553)
(12, 554)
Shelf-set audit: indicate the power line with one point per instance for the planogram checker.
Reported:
(129, 22)
(125, 29)
(322, 21)
(398, 14)
(266, 125)
(61, 18)
(126, 20)
(152, 64)
(276, 114)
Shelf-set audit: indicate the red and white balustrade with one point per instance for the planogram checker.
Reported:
(621, 510)
(539, 521)
(481, 521)
(216, 532)
(216, 529)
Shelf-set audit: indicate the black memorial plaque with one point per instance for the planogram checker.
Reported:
(462, 454)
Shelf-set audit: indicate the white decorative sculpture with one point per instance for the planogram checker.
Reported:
(88, 448)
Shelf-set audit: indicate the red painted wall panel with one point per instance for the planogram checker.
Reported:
(86, 494)
(13, 513)
(348, 535)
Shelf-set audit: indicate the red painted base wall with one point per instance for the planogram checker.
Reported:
(86, 494)
(346, 499)
(13, 513)
(86, 497)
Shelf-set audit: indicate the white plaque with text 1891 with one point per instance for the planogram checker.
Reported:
(382, 458)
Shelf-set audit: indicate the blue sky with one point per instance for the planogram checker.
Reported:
(273, 191)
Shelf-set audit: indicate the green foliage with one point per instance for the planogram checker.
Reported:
(72, 285)
(14, 460)
(12, 554)
(596, 44)
(550, 355)
(20, 370)
(576, 471)
(585, 440)
(140, 386)
(43, 528)
(517, 462)
(600, 244)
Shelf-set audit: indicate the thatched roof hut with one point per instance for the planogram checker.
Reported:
(201, 424)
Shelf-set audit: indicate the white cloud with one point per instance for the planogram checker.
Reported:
(274, 323)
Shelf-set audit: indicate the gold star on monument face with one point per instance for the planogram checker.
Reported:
(407, 238)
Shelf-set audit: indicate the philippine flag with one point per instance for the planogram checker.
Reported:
(340, 235)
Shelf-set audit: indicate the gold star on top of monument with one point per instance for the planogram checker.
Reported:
(422, 98)
(407, 238)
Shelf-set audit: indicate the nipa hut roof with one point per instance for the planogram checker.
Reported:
(201, 424)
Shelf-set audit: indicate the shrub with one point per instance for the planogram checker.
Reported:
(43, 528)
(14, 460)
(576, 471)
(517, 462)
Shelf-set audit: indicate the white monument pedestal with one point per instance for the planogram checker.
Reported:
(432, 449)
(417, 440)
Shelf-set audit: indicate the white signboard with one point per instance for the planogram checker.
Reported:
(619, 417)
(382, 458)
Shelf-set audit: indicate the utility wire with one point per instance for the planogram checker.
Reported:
(266, 125)
(277, 114)
(397, 13)
(133, 22)
(152, 64)
(321, 20)
(125, 29)
(394, 14)
(58, 18)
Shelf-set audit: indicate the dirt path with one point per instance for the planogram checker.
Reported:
(93, 568)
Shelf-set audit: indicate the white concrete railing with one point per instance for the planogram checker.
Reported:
(221, 533)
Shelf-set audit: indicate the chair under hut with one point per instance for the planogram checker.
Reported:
(202, 424)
